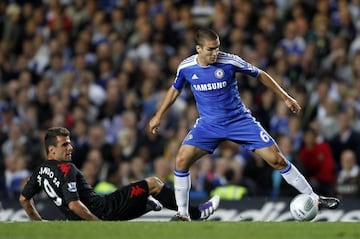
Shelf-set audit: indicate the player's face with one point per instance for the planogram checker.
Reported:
(63, 149)
(208, 52)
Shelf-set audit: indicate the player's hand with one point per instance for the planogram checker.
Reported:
(154, 125)
(293, 105)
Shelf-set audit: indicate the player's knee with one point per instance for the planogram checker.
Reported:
(155, 184)
(182, 163)
(278, 162)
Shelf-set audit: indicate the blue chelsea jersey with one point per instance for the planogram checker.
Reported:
(215, 86)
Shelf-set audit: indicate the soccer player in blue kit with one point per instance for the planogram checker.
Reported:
(223, 116)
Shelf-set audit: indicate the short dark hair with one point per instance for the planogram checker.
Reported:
(205, 34)
(51, 134)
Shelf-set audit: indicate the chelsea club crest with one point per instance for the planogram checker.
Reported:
(219, 73)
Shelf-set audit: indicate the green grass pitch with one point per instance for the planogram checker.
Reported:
(179, 230)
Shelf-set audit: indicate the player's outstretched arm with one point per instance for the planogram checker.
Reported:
(169, 99)
(291, 103)
(30, 209)
(82, 211)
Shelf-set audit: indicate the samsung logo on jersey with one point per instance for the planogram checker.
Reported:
(210, 86)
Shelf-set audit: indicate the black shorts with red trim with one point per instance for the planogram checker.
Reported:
(127, 202)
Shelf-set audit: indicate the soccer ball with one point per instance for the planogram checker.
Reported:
(303, 208)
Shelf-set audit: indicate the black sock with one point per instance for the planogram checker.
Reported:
(167, 198)
(194, 212)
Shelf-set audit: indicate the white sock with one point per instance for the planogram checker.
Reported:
(293, 177)
(182, 184)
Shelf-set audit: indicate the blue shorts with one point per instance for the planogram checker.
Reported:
(243, 130)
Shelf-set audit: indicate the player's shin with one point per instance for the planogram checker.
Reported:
(167, 198)
(293, 177)
(182, 183)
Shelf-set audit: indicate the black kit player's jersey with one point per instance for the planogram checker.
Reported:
(63, 183)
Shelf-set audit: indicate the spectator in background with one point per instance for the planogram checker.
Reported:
(26, 83)
(41, 101)
(112, 182)
(337, 60)
(94, 168)
(230, 182)
(105, 73)
(80, 129)
(207, 175)
(259, 173)
(346, 138)
(149, 98)
(128, 137)
(89, 111)
(354, 116)
(309, 109)
(86, 86)
(320, 33)
(355, 63)
(128, 140)
(269, 23)
(325, 92)
(16, 174)
(12, 31)
(293, 44)
(327, 123)
(308, 64)
(8, 118)
(279, 122)
(153, 144)
(265, 107)
(281, 68)
(110, 112)
(348, 178)
(55, 71)
(138, 168)
(230, 151)
(175, 135)
(279, 187)
(163, 170)
(125, 171)
(231, 190)
(95, 140)
(15, 143)
(60, 106)
(318, 162)
(197, 190)
(295, 133)
(342, 21)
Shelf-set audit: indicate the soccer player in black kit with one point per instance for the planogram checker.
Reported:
(66, 186)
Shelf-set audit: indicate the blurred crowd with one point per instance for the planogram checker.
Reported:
(100, 68)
